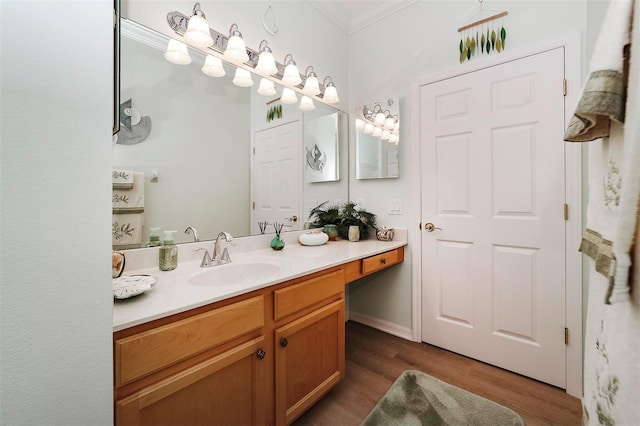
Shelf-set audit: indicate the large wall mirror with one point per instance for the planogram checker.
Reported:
(377, 139)
(216, 156)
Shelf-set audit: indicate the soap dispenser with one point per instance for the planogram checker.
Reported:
(168, 253)
(154, 237)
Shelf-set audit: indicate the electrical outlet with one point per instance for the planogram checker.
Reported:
(395, 206)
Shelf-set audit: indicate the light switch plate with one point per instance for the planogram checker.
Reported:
(395, 206)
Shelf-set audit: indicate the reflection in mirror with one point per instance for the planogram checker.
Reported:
(377, 137)
(198, 163)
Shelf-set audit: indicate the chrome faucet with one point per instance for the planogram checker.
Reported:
(218, 258)
(217, 255)
(192, 230)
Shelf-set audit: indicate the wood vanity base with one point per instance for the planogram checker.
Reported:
(264, 357)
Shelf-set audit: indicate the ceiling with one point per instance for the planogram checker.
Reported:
(354, 15)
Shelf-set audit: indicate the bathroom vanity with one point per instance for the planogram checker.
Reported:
(259, 352)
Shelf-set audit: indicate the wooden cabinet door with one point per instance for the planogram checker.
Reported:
(309, 360)
(227, 389)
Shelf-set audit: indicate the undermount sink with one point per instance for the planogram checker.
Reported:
(235, 273)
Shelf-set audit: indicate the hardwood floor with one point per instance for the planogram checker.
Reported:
(376, 359)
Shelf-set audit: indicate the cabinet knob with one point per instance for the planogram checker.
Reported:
(383, 261)
(284, 342)
(261, 353)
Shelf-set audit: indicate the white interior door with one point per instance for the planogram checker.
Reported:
(276, 177)
(493, 179)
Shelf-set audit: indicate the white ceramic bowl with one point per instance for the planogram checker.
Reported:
(313, 238)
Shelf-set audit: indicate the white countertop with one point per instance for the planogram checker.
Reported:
(173, 293)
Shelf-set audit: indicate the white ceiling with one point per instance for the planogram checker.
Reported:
(353, 15)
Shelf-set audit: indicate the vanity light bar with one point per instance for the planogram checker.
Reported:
(179, 22)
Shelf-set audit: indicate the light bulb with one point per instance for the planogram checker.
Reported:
(368, 128)
(330, 94)
(377, 132)
(177, 53)
(311, 84)
(288, 96)
(242, 78)
(306, 103)
(198, 33)
(389, 123)
(394, 139)
(359, 124)
(236, 51)
(379, 119)
(266, 62)
(385, 135)
(213, 67)
(266, 87)
(291, 75)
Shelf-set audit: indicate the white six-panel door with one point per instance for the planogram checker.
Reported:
(276, 177)
(493, 180)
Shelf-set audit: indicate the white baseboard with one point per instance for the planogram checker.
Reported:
(382, 325)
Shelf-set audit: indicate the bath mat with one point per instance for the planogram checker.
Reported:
(418, 399)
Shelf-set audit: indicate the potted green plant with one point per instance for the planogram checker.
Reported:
(343, 216)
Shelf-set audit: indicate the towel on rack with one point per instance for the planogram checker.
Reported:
(127, 230)
(129, 200)
(603, 95)
(122, 179)
(614, 191)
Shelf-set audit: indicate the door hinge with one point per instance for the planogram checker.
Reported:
(253, 205)
(564, 87)
(420, 226)
(254, 150)
(566, 211)
(566, 336)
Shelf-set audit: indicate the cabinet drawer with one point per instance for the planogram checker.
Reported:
(149, 351)
(381, 261)
(297, 297)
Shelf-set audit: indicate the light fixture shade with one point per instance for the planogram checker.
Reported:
(242, 78)
(177, 53)
(236, 51)
(198, 33)
(306, 103)
(377, 132)
(213, 67)
(311, 86)
(288, 96)
(359, 124)
(266, 64)
(396, 126)
(266, 87)
(291, 75)
(389, 123)
(394, 139)
(368, 128)
(330, 94)
(379, 119)
(385, 135)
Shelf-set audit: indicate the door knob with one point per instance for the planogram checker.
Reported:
(293, 218)
(429, 227)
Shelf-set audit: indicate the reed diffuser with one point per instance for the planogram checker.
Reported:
(276, 242)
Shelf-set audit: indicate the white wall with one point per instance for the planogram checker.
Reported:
(199, 143)
(414, 42)
(55, 301)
